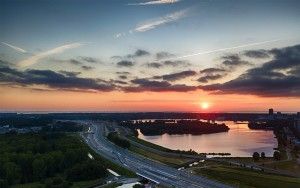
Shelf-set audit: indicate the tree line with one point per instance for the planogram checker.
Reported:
(36, 157)
(159, 127)
(114, 137)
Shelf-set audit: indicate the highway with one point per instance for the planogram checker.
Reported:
(152, 170)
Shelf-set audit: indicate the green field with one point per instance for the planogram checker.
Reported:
(246, 178)
(149, 144)
(290, 166)
(171, 161)
(249, 160)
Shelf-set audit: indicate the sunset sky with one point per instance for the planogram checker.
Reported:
(149, 55)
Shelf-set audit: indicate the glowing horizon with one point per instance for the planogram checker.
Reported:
(187, 55)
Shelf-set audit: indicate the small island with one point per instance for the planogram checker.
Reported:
(159, 127)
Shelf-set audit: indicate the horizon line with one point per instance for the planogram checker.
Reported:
(123, 112)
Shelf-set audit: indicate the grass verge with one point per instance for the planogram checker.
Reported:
(171, 161)
(291, 166)
(148, 144)
(246, 178)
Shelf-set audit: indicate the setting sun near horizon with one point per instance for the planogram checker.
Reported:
(204, 105)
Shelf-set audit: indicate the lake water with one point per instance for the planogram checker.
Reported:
(240, 141)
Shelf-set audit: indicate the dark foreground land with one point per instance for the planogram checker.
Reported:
(45, 150)
(51, 160)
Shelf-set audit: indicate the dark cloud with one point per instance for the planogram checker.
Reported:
(210, 77)
(212, 70)
(145, 83)
(154, 65)
(233, 60)
(71, 61)
(4, 63)
(123, 72)
(116, 57)
(294, 71)
(123, 77)
(211, 74)
(75, 62)
(285, 58)
(176, 63)
(176, 76)
(157, 86)
(138, 53)
(70, 74)
(89, 59)
(163, 55)
(258, 54)
(79, 61)
(276, 78)
(125, 63)
(51, 79)
(87, 68)
(118, 82)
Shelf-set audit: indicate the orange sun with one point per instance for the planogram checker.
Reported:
(205, 105)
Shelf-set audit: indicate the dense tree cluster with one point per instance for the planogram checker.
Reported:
(114, 137)
(64, 126)
(36, 157)
(91, 169)
(263, 155)
(276, 155)
(57, 182)
(255, 156)
(271, 124)
(159, 127)
(25, 120)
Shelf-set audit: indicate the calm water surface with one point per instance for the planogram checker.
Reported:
(240, 141)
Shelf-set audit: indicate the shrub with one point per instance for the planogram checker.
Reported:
(276, 155)
(87, 170)
(263, 155)
(113, 137)
(255, 156)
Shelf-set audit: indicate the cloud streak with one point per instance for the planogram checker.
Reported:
(169, 18)
(156, 2)
(15, 47)
(176, 76)
(35, 58)
(225, 49)
(143, 84)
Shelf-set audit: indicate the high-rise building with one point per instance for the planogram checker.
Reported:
(271, 111)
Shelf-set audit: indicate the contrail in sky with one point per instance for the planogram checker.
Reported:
(154, 23)
(156, 2)
(14, 47)
(35, 58)
(224, 49)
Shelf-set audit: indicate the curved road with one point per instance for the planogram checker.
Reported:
(144, 167)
